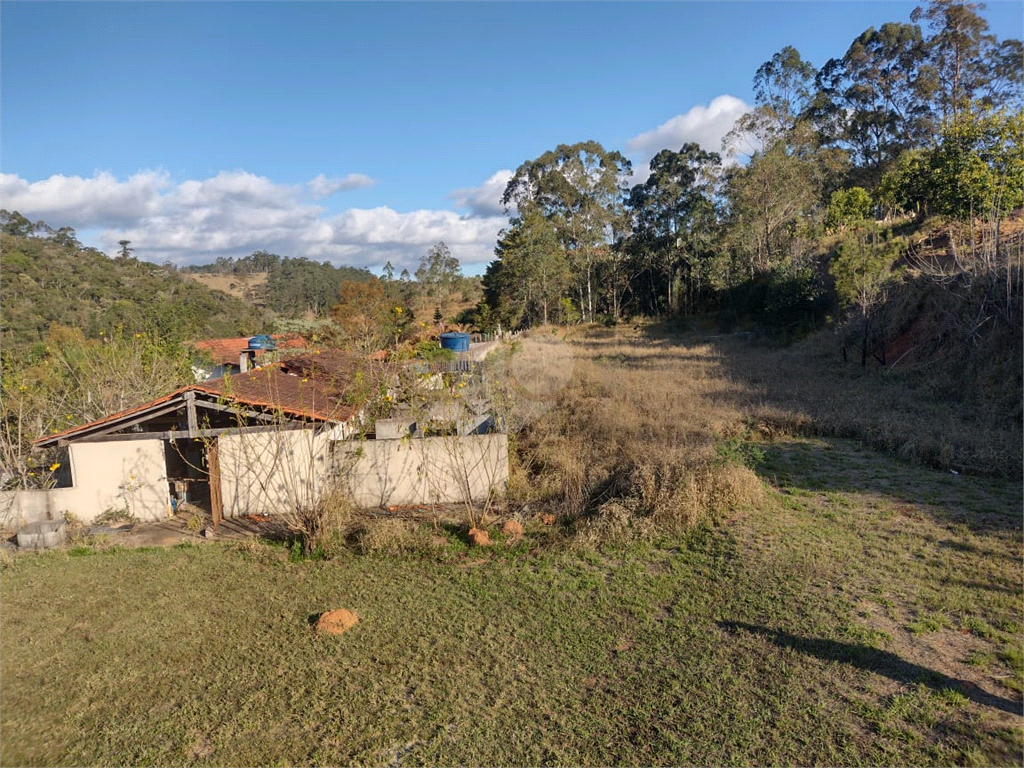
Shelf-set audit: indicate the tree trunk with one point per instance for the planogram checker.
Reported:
(590, 300)
(864, 345)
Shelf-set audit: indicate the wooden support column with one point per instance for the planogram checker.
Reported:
(213, 469)
(193, 421)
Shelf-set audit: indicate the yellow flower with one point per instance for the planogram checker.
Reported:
(54, 466)
(138, 335)
(31, 474)
(398, 310)
(305, 380)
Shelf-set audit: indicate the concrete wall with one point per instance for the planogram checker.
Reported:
(116, 475)
(423, 471)
(271, 471)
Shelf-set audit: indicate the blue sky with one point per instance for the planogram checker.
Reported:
(359, 133)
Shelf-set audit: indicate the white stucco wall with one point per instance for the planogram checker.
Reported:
(423, 471)
(115, 475)
(270, 471)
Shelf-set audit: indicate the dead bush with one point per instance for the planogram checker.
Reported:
(327, 517)
(616, 520)
(386, 535)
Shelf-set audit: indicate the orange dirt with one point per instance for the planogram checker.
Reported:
(512, 528)
(336, 622)
(479, 537)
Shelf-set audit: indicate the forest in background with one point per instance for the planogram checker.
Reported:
(893, 166)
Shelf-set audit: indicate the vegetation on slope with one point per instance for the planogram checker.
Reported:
(291, 287)
(45, 281)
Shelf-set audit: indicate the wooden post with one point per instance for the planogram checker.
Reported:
(213, 469)
(193, 421)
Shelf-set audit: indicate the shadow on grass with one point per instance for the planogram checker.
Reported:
(880, 662)
(836, 465)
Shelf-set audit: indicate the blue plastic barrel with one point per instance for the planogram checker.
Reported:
(262, 341)
(456, 342)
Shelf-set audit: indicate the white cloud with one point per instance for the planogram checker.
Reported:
(235, 213)
(71, 201)
(706, 126)
(484, 200)
(321, 186)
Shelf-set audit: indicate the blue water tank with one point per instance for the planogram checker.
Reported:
(262, 341)
(456, 342)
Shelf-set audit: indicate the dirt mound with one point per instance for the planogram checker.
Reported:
(479, 537)
(336, 622)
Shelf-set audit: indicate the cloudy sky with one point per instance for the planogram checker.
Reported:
(362, 133)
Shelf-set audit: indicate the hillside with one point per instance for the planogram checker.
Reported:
(247, 288)
(46, 282)
(296, 288)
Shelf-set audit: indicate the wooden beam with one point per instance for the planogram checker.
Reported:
(179, 434)
(235, 411)
(193, 422)
(105, 429)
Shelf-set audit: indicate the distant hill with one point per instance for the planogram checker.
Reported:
(53, 279)
(291, 287)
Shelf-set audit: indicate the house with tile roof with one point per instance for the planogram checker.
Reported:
(271, 438)
(223, 357)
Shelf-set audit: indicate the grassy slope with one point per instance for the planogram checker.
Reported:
(44, 283)
(867, 612)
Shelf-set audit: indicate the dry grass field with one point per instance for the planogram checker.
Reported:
(732, 579)
(239, 286)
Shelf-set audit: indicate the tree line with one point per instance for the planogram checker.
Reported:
(803, 205)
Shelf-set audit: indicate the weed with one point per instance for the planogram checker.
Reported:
(115, 515)
(981, 628)
(740, 452)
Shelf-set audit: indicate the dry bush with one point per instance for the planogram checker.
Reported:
(630, 447)
(327, 518)
(615, 520)
(387, 535)
(677, 497)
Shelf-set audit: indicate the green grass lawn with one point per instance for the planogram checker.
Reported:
(868, 613)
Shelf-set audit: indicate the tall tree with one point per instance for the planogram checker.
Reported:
(439, 272)
(533, 272)
(783, 90)
(784, 87)
(673, 214)
(875, 99)
(956, 52)
(579, 188)
(766, 201)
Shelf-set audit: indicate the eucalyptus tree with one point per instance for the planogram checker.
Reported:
(784, 92)
(784, 87)
(957, 53)
(875, 100)
(579, 188)
(673, 216)
(532, 272)
(439, 272)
